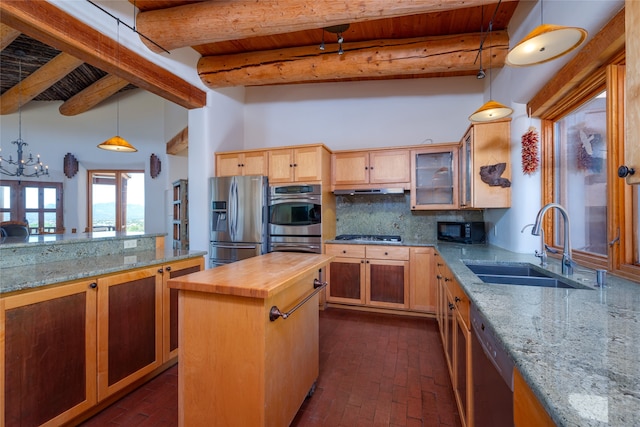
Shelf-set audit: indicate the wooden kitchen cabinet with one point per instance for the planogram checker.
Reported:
(242, 163)
(48, 354)
(382, 273)
(434, 177)
(362, 169)
(170, 303)
(486, 147)
(454, 326)
(422, 280)
(527, 409)
(129, 328)
(632, 92)
(304, 164)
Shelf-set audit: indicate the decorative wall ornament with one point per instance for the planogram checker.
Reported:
(70, 165)
(154, 166)
(491, 175)
(530, 158)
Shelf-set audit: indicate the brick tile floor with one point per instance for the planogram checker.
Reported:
(375, 370)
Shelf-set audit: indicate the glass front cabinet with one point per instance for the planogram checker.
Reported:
(434, 179)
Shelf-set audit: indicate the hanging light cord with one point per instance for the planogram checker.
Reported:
(129, 26)
(495, 12)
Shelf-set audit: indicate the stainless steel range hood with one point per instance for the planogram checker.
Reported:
(398, 190)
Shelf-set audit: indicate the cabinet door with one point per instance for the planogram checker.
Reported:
(346, 281)
(254, 163)
(486, 145)
(129, 328)
(228, 164)
(387, 283)
(434, 180)
(170, 304)
(307, 164)
(281, 166)
(422, 283)
(462, 355)
(386, 167)
(350, 168)
(632, 93)
(48, 354)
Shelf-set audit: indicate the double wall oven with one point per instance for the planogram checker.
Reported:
(295, 223)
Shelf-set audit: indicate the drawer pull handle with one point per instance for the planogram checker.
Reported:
(93, 285)
(386, 253)
(275, 312)
(457, 299)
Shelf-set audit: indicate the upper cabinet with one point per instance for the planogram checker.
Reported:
(632, 93)
(434, 180)
(485, 176)
(305, 164)
(369, 169)
(241, 163)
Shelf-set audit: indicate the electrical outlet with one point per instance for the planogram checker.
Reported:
(131, 259)
(128, 244)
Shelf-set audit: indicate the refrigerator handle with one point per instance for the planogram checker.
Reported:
(231, 210)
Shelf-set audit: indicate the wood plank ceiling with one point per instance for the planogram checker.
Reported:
(246, 43)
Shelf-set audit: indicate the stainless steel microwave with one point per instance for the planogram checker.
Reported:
(462, 232)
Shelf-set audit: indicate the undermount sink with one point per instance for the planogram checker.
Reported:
(519, 274)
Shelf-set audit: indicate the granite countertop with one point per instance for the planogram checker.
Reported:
(257, 277)
(49, 273)
(578, 349)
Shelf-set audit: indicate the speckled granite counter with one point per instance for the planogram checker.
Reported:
(50, 259)
(578, 349)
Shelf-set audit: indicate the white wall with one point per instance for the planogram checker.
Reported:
(361, 114)
(142, 123)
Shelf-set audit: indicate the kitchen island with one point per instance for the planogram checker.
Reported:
(239, 364)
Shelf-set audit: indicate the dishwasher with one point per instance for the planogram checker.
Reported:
(492, 376)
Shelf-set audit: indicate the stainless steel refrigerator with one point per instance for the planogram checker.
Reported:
(238, 218)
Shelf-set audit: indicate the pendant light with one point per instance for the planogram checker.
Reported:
(491, 110)
(117, 143)
(545, 43)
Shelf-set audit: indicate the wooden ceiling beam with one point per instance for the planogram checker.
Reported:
(37, 82)
(179, 142)
(370, 59)
(7, 35)
(93, 95)
(219, 20)
(50, 25)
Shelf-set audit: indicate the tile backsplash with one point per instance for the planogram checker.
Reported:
(392, 214)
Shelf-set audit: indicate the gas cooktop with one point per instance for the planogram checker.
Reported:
(370, 238)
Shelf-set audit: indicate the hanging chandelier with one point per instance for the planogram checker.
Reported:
(22, 165)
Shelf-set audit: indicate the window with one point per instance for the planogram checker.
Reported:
(116, 201)
(37, 203)
(583, 144)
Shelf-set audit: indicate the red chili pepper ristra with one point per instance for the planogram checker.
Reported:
(530, 159)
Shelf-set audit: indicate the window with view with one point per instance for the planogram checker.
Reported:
(116, 201)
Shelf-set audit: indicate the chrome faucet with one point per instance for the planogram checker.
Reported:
(542, 254)
(567, 262)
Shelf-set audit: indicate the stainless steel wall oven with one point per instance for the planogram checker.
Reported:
(295, 223)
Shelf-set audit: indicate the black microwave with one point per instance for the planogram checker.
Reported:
(462, 232)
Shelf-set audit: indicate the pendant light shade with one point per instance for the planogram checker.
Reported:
(116, 143)
(490, 111)
(545, 43)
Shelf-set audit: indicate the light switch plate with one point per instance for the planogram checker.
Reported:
(128, 244)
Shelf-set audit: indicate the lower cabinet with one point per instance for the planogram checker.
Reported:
(129, 328)
(48, 354)
(453, 322)
(68, 347)
(422, 280)
(370, 275)
(527, 409)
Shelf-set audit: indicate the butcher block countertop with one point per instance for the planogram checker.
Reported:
(257, 277)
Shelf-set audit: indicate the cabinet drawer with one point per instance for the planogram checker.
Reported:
(388, 252)
(349, 251)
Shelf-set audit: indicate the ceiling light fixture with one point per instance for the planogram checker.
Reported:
(337, 30)
(117, 143)
(491, 110)
(21, 164)
(545, 43)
